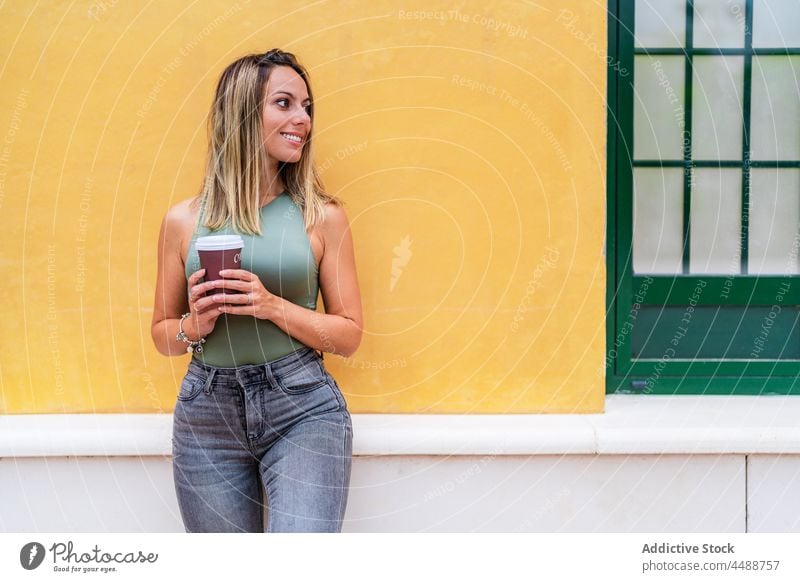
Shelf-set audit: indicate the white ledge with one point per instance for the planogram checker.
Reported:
(630, 425)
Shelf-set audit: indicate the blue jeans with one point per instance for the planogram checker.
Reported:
(282, 426)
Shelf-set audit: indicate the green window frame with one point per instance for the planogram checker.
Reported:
(726, 351)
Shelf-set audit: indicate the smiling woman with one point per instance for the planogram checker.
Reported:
(281, 121)
(257, 411)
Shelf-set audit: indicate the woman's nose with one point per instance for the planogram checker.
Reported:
(301, 115)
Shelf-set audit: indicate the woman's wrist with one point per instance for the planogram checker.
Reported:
(190, 330)
(272, 308)
(193, 346)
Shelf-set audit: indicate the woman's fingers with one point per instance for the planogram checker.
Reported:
(225, 285)
(212, 301)
(209, 311)
(201, 302)
(242, 298)
(234, 284)
(195, 277)
(193, 282)
(238, 274)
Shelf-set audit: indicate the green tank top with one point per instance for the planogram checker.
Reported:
(284, 261)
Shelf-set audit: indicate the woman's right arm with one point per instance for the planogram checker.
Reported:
(171, 300)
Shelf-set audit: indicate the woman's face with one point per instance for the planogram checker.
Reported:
(285, 120)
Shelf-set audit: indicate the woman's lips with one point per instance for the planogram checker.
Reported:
(295, 139)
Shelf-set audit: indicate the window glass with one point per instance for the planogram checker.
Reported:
(657, 220)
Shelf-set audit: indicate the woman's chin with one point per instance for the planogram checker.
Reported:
(288, 158)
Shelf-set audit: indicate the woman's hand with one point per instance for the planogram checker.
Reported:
(252, 299)
(203, 316)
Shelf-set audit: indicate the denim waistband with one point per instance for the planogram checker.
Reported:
(249, 372)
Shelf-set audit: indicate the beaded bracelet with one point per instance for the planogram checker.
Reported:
(194, 346)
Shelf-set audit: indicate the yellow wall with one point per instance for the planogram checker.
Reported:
(469, 144)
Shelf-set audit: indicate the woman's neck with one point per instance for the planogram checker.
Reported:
(272, 192)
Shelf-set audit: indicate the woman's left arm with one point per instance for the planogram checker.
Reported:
(339, 329)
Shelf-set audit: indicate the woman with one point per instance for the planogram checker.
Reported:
(257, 412)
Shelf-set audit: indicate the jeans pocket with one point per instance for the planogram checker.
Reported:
(339, 395)
(303, 378)
(190, 387)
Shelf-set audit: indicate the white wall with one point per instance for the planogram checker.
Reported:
(647, 465)
(570, 493)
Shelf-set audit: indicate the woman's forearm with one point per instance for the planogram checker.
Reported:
(321, 331)
(164, 333)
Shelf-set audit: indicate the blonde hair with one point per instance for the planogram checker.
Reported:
(237, 161)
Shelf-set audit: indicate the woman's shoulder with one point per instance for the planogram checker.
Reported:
(333, 211)
(334, 222)
(184, 213)
(186, 208)
(179, 222)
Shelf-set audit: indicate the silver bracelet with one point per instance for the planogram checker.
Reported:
(194, 346)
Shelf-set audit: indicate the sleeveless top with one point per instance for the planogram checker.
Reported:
(283, 259)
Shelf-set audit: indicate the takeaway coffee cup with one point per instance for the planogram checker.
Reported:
(217, 253)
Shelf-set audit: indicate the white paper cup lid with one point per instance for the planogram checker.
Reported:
(219, 242)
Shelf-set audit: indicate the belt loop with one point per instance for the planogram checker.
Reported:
(208, 388)
(270, 377)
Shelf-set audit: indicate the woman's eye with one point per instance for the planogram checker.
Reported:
(283, 103)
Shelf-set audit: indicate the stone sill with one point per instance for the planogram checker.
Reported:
(648, 425)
